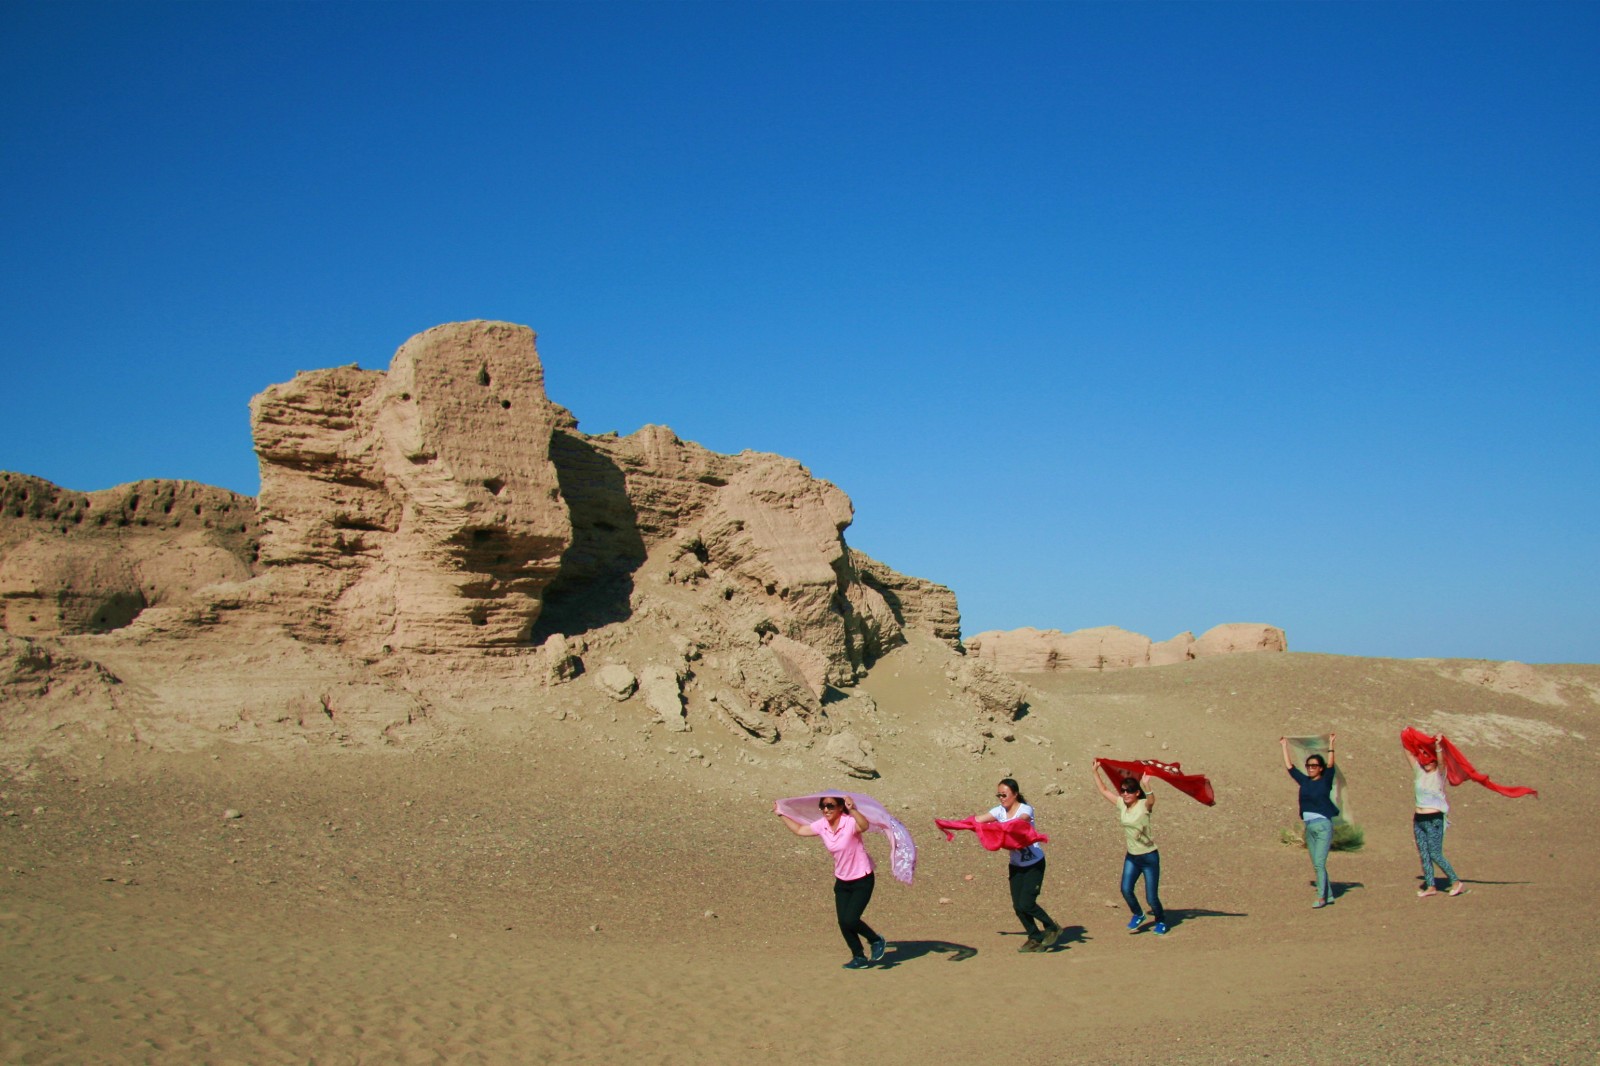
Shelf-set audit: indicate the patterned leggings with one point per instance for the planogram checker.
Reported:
(1429, 831)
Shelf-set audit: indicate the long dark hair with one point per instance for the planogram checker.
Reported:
(1011, 783)
(1131, 784)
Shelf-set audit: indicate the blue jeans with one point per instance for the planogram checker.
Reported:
(1149, 866)
(1319, 838)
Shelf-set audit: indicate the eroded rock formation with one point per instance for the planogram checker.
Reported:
(417, 510)
(447, 506)
(445, 520)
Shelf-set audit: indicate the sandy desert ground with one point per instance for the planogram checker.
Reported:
(566, 883)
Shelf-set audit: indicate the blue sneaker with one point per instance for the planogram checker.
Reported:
(1135, 922)
(1161, 929)
(879, 946)
(857, 962)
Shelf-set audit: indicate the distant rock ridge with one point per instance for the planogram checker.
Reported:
(91, 562)
(1028, 650)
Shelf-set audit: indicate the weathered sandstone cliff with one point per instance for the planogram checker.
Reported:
(447, 512)
(441, 536)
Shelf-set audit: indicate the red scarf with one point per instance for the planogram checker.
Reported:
(1017, 833)
(1456, 767)
(1194, 786)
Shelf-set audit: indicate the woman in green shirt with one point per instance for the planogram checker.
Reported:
(1134, 805)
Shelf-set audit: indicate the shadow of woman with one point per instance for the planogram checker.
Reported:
(1176, 916)
(906, 950)
(1070, 935)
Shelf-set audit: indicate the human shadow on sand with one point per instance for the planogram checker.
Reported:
(906, 950)
(1176, 916)
(1337, 889)
(1070, 935)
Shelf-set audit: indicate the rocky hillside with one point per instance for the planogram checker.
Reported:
(445, 520)
(438, 543)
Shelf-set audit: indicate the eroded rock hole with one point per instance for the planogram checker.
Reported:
(494, 485)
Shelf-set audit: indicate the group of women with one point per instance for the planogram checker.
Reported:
(841, 826)
(1318, 809)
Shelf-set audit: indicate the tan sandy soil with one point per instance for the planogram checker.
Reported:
(566, 889)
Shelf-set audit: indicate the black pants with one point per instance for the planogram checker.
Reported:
(850, 899)
(1026, 881)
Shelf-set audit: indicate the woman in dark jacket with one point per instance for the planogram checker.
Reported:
(1317, 810)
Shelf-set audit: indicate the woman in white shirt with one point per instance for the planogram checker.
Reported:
(1026, 870)
(1428, 821)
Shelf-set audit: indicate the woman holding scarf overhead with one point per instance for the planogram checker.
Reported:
(1437, 762)
(1317, 810)
(1428, 819)
(1135, 803)
(840, 828)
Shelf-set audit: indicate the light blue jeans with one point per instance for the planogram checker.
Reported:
(1319, 838)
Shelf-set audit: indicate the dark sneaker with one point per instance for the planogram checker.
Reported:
(857, 962)
(1051, 935)
(1030, 945)
(1161, 929)
(879, 946)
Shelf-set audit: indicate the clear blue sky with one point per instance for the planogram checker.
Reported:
(1149, 315)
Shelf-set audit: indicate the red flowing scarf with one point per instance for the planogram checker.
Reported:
(1017, 833)
(1456, 766)
(1194, 786)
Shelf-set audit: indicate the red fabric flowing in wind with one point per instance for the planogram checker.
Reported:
(994, 835)
(1194, 786)
(1456, 766)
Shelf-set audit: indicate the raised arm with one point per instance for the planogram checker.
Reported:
(1288, 763)
(1411, 756)
(1098, 773)
(799, 829)
(861, 819)
(1331, 738)
(1149, 793)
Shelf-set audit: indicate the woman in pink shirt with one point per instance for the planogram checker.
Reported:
(852, 872)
